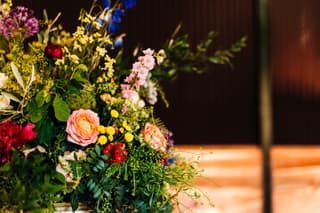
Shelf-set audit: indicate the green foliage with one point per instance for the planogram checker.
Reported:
(181, 57)
(31, 183)
(61, 109)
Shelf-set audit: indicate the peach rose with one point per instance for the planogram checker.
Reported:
(154, 137)
(82, 127)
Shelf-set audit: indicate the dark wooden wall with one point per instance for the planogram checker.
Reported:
(295, 65)
(219, 107)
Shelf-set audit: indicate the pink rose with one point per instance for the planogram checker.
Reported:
(154, 137)
(82, 127)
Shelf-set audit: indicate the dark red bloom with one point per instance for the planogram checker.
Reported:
(53, 51)
(13, 135)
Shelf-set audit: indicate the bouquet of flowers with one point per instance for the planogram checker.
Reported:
(79, 127)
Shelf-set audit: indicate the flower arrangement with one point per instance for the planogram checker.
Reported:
(77, 125)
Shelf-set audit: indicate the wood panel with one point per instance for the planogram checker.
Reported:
(217, 107)
(295, 29)
(233, 178)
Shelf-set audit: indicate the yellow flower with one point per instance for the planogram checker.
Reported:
(74, 58)
(101, 51)
(110, 137)
(114, 113)
(102, 140)
(128, 137)
(121, 129)
(126, 126)
(110, 130)
(101, 129)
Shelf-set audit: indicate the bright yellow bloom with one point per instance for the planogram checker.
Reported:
(121, 129)
(101, 129)
(102, 140)
(110, 130)
(101, 51)
(126, 126)
(114, 113)
(110, 137)
(128, 137)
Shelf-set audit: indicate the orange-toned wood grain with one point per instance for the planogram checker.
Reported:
(233, 178)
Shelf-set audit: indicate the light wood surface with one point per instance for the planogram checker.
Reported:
(233, 178)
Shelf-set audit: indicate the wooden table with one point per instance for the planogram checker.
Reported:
(233, 178)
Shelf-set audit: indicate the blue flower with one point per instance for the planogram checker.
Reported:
(118, 42)
(171, 160)
(117, 15)
(113, 27)
(128, 4)
(89, 27)
(106, 4)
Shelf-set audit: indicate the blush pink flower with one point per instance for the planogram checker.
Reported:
(82, 127)
(154, 137)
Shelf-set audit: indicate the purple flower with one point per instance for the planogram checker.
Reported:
(20, 19)
(128, 4)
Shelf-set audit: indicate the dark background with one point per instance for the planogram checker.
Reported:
(221, 106)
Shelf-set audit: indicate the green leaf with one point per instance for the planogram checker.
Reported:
(45, 129)
(5, 167)
(40, 98)
(35, 112)
(61, 109)
(78, 77)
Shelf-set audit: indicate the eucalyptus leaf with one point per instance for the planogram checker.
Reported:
(17, 75)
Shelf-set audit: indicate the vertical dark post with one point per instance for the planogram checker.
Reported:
(265, 103)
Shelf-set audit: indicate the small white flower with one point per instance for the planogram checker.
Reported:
(3, 80)
(4, 102)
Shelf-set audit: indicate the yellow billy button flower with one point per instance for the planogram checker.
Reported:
(101, 129)
(110, 137)
(126, 126)
(114, 113)
(102, 140)
(110, 130)
(128, 137)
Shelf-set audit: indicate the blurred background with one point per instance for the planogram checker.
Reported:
(219, 110)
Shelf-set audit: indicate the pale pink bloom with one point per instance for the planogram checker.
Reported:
(82, 127)
(147, 61)
(148, 51)
(126, 93)
(129, 78)
(125, 86)
(64, 172)
(134, 97)
(137, 66)
(124, 109)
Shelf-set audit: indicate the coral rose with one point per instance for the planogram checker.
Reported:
(154, 137)
(82, 127)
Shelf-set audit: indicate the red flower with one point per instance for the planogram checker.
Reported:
(13, 135)
(117, 151)
(53, 51)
